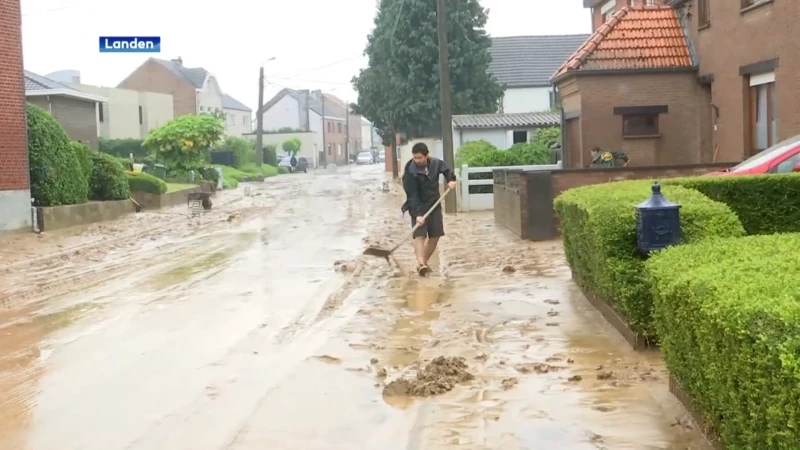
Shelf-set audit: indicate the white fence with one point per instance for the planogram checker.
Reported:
(485, 201)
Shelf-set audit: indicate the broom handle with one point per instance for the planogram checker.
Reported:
(416, 226)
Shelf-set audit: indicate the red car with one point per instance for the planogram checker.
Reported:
(783, 157)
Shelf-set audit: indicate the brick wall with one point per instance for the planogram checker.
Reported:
(737, 38)
(543, 223)
(683, 140)
(78, 117)
(14, 173)
(153, 77)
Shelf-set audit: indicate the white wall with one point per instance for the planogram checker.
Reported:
(315, 125)
(121, 111)
(366, 135)
(522, 100)
(283, 114)
(495, 136)
(16, 207)
(210, 98)
(237, 122)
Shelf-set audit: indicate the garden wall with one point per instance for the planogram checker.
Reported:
(168, 200)
(55, 217)
(526, 208)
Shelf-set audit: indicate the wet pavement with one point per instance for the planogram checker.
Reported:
(259, 325)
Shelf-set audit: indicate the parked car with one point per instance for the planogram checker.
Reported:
(302, 163)
(382, 156)
(364, 158)
(783, 157)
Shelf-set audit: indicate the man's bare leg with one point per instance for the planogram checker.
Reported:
(419, 251)
(430, 247)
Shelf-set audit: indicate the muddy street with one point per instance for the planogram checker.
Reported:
(260, 325)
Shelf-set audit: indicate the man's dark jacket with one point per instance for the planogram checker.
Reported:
(422, 190)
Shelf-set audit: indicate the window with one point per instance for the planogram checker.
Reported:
(330, 149)
(763, 126)
(607, 10)
(202, 108)
(520, 137)
(338, 149)
(748, 3)
(231, 119)
(339, 128)
(787, 166)
(330, 127)
(100, 113)
(141, 115)
(703, 13)
(244, 120)
(640, 125)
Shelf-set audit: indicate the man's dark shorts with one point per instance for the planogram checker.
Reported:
(434, 225)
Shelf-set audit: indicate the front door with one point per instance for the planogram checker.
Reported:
(763, 126)
(572, 143)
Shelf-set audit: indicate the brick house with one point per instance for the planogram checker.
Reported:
(77, 111)
(345, 133)
(194, 90)
(700, 80)
(15, 194)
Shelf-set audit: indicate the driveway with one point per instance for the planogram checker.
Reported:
(260, 326)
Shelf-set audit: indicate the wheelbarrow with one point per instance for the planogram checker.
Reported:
(196, 200)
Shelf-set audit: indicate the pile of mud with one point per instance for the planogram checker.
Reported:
(437, 377)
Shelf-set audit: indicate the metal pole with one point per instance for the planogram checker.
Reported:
(324, 158)
(260, 119)
(347, 133)
(444, 87)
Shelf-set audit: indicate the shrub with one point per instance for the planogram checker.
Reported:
(484, 154)
(122, 148)
(546, 137)
(142, 182)
(108, 178)
(765, 204)
(244, 152)
(209, 174)
(270, 155)
(282, 170)
(599, 230)
(84, 155)
(57, 175)
(728, 317)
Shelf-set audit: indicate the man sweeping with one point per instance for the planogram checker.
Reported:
(421, 183)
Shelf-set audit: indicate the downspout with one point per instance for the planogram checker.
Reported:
(49, 106)
(564, 151)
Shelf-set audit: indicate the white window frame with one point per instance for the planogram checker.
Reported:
(608, 7)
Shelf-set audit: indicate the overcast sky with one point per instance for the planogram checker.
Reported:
(317, 44)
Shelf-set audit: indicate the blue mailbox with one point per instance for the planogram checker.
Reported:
(658, 222)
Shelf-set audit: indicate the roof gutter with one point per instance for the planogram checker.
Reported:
(611, 72)
(65, 93)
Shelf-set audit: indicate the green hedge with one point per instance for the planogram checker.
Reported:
(57, 175)
(598, 225)
(84, 155)
(142, 182)
(765, 204)
(108, 178)
(122, 148)
(728, 318)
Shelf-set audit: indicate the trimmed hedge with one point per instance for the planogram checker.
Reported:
(84, 155)
(728, 317)
(598, 225)
(765, 204)
(57, 177)
(142, 182)
(108, 178)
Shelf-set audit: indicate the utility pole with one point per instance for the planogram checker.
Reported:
(260, 118)
(444, 87)
(347, 133)
(324, 158)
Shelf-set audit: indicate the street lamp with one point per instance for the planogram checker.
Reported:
(260, 114)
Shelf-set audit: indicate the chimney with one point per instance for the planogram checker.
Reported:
(178, 60)
(302, 110)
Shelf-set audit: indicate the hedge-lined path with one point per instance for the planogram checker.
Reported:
(261, 327)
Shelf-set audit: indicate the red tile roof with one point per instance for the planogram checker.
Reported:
(635, 37)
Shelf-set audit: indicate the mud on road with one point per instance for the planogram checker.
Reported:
(259, 325)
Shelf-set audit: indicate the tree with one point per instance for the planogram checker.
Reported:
(291, 146)
(399, 90)
(184, 142)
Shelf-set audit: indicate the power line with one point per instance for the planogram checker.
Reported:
(343, 83)
(313, 69)
(47, 11)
